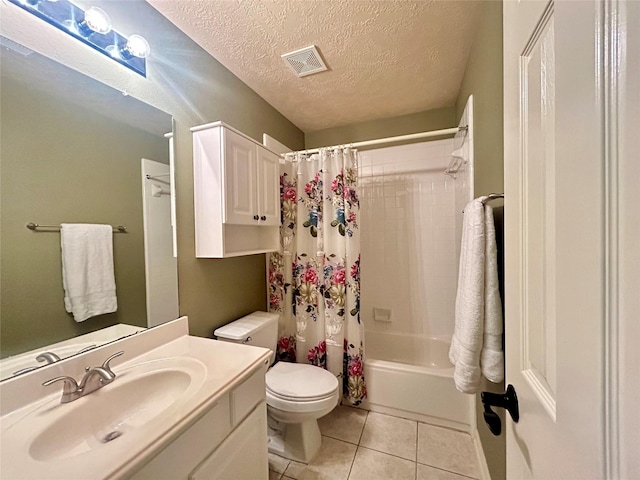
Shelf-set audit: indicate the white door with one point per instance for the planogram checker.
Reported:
(161, 267)
(572, 144)
(555, 230)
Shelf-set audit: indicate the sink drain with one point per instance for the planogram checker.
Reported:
(111, 436)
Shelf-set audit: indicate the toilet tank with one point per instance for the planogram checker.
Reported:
(259, 329)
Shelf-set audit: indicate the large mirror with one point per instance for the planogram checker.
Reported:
(72, 151)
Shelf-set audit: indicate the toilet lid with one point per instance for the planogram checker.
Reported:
(300, 381)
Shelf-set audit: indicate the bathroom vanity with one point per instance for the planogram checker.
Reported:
(180, 407)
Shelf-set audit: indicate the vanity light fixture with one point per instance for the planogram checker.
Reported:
(95, 20)
(136, 46)
(93, 28)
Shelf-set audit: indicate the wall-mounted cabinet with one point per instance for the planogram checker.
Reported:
(236, 193)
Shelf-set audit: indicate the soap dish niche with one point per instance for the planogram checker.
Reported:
(382, 315)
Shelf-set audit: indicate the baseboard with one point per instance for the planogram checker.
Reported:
(482, 459)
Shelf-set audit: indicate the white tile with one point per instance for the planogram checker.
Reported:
(377, 204)
(343, 423)
(333, 462)
(429, 473)
(294, 470)
(389, 191)
(390, 169)
(277, 463)
(447, 449)
(390, 203)
(274, 475)
(393, 435)
(372, 465)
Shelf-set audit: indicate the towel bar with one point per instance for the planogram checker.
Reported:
(35, 226)
(491, 196)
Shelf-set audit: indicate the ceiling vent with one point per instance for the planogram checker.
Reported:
(305, 61)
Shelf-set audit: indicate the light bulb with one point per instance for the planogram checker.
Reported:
(136, 46)
(95, 20)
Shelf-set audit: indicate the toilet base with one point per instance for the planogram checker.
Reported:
(296, 441)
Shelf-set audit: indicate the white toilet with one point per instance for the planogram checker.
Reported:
(297, 394)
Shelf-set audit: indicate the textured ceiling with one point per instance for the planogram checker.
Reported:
(385, 58)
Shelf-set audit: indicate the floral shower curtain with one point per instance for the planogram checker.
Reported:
(315, 278)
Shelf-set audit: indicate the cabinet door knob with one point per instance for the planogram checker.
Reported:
(256, 217)
(263, 218)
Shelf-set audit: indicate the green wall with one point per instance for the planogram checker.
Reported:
(387, 127)
(215, 291)
(188, 83)
(63, 163)
(483, 79)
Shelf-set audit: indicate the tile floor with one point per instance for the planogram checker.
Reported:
(361, 445)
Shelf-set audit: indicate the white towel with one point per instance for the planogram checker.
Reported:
(476, 346)
(87, 270)
(492, 356)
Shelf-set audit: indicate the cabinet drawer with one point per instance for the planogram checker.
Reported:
(248, 395)
(194, 445)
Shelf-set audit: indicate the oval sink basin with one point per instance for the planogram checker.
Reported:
(137, 397)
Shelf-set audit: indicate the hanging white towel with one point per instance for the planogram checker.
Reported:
(492, 356)
(476, 346)
(87, 270)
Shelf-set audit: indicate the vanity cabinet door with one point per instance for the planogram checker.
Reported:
(241, 182)
(178, 459)
(243, 454)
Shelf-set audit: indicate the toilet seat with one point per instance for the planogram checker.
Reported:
(296, 387)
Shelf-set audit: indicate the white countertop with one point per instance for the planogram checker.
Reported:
(220, 366)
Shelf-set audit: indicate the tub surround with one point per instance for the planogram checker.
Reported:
(225, 389)
(408, 218)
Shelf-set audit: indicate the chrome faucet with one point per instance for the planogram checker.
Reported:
(48, 357)
(94, 379)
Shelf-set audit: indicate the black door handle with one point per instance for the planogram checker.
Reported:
(508, 400)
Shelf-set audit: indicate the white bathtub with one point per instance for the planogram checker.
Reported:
(410, 376)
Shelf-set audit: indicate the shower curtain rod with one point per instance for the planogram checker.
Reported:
(379, 141)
